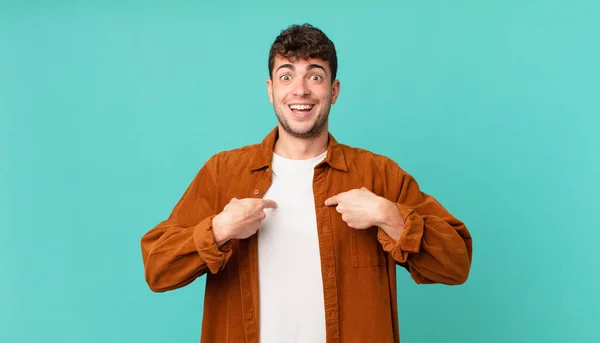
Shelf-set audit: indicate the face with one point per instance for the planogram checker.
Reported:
(302, 93)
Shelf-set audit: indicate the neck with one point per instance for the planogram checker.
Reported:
(301, 148)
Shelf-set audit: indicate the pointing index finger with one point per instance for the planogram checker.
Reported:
(331, 201)
(268, 203)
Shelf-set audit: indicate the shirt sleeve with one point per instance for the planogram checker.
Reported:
(181, 248)
(434, 246)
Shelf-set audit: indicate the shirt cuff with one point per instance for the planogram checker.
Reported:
(214, 257)
(410, 239)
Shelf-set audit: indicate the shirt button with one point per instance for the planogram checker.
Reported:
(256, 192)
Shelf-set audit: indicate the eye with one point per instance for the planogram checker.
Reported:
(316, 77)
(285, 77)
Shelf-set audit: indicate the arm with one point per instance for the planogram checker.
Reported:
(183, 247)
(434, 246)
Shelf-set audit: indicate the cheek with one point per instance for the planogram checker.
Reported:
(324, 94)
(279, 96)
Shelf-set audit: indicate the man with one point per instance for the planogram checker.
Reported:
(299, 236)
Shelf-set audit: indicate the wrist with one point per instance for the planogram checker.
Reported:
(390, 220)
(382, 212)
(221, 235)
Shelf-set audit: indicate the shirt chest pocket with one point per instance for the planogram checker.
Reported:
(365, 249)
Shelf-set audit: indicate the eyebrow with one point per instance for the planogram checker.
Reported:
(310, 66)
(313, 66)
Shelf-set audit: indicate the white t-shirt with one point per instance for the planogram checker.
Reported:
(292, 307)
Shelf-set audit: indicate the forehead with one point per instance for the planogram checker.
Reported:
(298, 63)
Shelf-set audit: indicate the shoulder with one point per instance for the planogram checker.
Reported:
(361, 158)
(234, 159)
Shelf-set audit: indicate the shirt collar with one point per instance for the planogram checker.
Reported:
(264, 155)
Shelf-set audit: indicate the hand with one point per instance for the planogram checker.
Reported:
(362, 209)
(240, 219)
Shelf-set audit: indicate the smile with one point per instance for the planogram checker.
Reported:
(301, 107)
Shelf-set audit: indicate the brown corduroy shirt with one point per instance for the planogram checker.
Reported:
(358, 266)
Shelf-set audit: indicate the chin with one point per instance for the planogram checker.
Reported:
(300, 128)
(305, 132)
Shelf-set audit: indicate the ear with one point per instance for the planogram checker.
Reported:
(335, 91)
(270, 89)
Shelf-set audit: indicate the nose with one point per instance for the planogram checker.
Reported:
(301, 87)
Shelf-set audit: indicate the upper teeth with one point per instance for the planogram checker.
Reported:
(301, 107)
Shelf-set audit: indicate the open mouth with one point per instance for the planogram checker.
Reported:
(301, 109)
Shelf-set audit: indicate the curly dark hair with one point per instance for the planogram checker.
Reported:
(304, 42)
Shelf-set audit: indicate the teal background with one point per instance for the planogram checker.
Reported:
(108, 109)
